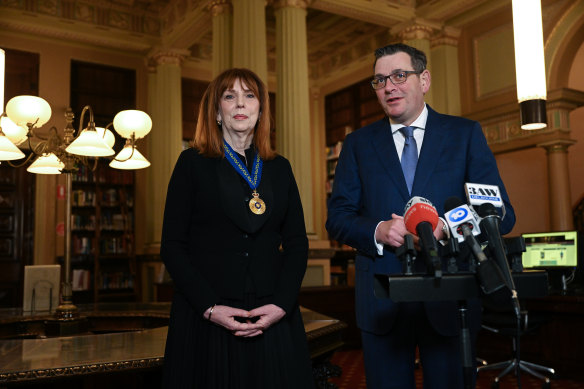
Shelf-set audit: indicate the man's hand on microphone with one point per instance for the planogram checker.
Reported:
(391, 232)
(439, 231)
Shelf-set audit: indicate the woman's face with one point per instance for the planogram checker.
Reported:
(239, 109)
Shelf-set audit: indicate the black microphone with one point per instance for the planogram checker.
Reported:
(490, 225)
(490, 277)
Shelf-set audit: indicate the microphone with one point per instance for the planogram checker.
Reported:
(461, 221)
(490, 225)
(421, 218)
(460, 214)
(478, 194)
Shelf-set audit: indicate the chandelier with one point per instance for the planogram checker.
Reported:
(56, 154)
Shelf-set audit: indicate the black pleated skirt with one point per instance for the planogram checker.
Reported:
(202, 355)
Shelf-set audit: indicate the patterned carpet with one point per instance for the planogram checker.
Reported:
(353, 376)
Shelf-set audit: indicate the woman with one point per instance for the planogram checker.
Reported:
(231, 204)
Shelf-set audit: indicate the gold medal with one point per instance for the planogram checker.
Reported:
(256, 204)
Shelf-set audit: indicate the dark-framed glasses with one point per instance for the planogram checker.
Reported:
(396, 78)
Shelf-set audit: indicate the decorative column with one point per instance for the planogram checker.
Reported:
(560, 203)
(165, 143)
(319, 176)
(446, 84)
(222, 35)
(292, 103)
(417, 33)
(249, 36)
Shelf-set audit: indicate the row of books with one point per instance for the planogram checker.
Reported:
(103, 174)
(81, 280)
(115, 245)
(81, 245)
(117, 196)
(83, 222)
(116, 280)
(83, 198)
(114, 221)
(333, 151)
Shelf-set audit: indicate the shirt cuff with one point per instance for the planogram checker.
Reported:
(379, 246)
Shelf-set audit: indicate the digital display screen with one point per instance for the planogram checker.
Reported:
(551, 249)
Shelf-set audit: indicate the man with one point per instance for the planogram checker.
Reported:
(366, 212)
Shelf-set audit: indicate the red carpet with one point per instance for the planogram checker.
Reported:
(353, 376)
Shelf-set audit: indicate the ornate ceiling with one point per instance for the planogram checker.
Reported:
(338, 31)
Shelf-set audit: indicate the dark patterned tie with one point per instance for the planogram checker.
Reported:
(409, 158)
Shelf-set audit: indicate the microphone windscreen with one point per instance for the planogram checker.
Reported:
(487, 209)
(451, 203)
(419, 210)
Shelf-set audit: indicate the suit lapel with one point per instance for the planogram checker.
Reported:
(432, 148)
(385, 148)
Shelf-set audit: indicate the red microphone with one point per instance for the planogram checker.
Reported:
(421, 218)
(419, 210)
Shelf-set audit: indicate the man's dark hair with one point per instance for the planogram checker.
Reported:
(417, 57)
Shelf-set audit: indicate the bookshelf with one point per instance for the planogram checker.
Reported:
(346, 110)
(102, 237)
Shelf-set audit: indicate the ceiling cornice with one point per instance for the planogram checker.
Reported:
(381, 12)
(74, 31)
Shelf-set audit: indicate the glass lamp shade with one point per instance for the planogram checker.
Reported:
(131, 122)
(109, 137)
(46, 164)
(136, 162)
(90, 144)
(24, 110)
(14, 132)
(2, 71)
(8, 151)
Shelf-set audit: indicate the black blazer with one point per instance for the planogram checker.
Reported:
(211, 239)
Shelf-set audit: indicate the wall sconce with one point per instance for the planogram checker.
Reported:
(530, 63)
(55, 155)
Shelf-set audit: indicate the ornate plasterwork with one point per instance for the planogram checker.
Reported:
(94, 12)
(81, 370)
(303, 4)
(165, 56)
(219, 7)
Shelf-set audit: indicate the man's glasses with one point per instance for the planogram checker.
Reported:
(396, 78)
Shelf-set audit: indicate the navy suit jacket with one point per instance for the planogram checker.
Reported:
(369, 186)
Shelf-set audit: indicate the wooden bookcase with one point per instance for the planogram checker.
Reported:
(103, 256)
(102, 239)
(347, 110)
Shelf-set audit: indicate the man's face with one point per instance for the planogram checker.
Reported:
(404, 102)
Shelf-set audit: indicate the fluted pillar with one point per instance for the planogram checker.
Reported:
(560, 202)
(417, 33)
(165, 140)
(446, 80)
(221, 11)
(249, 36)
(292, 103)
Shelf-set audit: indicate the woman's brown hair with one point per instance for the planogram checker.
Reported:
(208, 135)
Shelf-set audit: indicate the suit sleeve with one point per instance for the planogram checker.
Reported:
(174, 248)
(295, 249)
(482, 168)
(344, 222)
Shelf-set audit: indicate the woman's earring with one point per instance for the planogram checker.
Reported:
(219, 123)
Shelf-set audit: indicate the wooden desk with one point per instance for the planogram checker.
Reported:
(82, 361)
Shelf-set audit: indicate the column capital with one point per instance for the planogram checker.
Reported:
(416, 28)
(277, 4)
(557, 146)
(219, 7)
(163, 55)
(447, 36)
